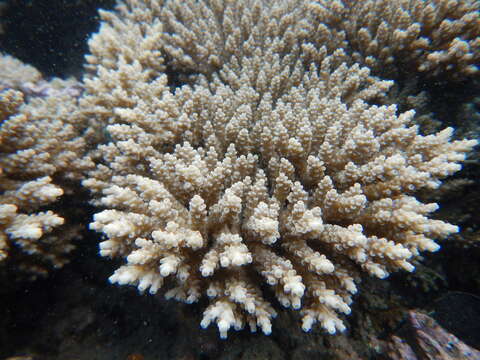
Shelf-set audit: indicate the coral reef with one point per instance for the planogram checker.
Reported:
(269, 167)
(202, 36)
(435, 37)
(246, 156)
(16, 75)
(40, 151)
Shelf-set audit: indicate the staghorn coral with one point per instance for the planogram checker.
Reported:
(40, 152)
(436, 37)
(202, 36)
(131, 43)
(17, 75)
(130, 38)
(273, 169)
(19, 199)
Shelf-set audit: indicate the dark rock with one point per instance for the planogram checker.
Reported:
(421, 338)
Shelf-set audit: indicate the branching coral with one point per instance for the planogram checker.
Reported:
(20, 224)
(15, 74)
(39, 152)
(202, 36)
(273, 169)
(437, 37)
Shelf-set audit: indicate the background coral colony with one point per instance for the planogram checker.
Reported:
(257, 157)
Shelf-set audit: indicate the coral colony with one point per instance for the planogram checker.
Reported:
(276, 160)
